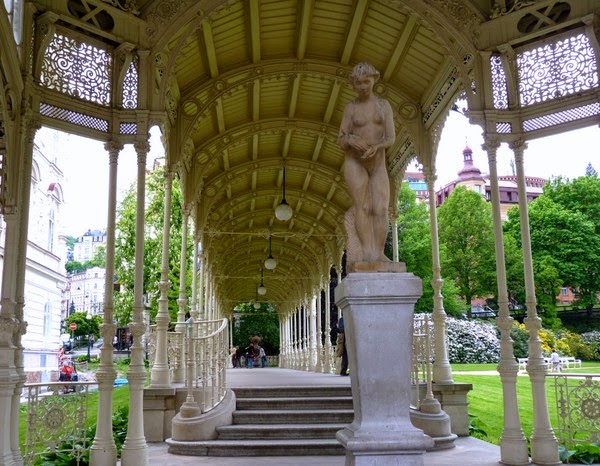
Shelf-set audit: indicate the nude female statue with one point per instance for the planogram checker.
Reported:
(367, 129)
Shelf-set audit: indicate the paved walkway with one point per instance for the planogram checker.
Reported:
(468, 451)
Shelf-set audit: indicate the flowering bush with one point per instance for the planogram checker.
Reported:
(472, 341)
(592, 339)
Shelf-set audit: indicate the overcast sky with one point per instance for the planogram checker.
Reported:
(85, 166)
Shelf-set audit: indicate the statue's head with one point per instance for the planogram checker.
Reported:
(363, 69)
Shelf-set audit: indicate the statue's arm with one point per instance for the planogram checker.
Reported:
(390, 130)
(345, 128)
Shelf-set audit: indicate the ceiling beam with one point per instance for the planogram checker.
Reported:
(303, 29)
(211, 53)
(294, 96)
(402, 46)
(352, 38)
(333, 97)
(256, 100)
(254, 13)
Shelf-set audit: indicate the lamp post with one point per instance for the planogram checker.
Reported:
(89, 321)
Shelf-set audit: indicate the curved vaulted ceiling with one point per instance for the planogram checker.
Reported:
(256, 85)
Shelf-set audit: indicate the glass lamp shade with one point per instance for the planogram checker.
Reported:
(256, 305)
(88, 316)
(262, 290)
(283, 211)
(270, 263)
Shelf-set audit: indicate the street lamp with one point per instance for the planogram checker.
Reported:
(89, 321)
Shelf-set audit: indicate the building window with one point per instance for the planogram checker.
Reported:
(564, 291)
(51, 230)
(47, 319)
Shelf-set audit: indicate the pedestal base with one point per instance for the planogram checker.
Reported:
(378, 318)
(384, 449)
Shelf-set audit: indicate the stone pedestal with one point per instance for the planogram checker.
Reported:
(378, 319)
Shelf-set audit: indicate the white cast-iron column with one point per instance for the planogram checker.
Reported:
(104, 451)
(159, 375)
(312, 335)
(442, 372)
(544, 446)
(513, 445)
(135, 449)
(320, 356)
(178, 372)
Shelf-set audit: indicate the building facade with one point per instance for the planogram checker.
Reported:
(45, 277)
(472, 178)
(86, 246)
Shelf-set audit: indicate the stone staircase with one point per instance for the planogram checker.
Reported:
(283, 421)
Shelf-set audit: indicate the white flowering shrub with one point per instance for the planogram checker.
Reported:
(592, 339)
(472, 341)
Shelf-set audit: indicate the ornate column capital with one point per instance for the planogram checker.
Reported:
(518, 147)
(113, 148)
(430, 175)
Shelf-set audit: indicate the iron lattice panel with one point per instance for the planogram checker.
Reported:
(503, 127)
(558, 118)
(75, 118)
(558, 69)
(130, 86)
(499, 86)
(77, 68)
(129, 128)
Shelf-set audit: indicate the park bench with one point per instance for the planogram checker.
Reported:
(566, 362)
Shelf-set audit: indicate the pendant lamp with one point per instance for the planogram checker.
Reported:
(270, 262)
(261, 290)
(283, 211)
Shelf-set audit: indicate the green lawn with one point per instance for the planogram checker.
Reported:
(485, 400)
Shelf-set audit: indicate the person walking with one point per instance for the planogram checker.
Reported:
(555, 361)
(340, 347)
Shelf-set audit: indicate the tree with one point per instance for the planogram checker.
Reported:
(153, 238)
(84, 327)
(467, 243)
(564, 240)
(414, 249)
(590, 171)
(263, 322)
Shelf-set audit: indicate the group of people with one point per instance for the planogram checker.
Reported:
(253, 355)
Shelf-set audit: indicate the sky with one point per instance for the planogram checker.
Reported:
(85, 165)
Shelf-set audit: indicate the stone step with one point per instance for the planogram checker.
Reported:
(293, 416)
(296, 391)
(314, 402)
(278, 431)
(238, 448)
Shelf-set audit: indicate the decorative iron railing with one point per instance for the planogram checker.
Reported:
(422, 357)
(208, 355)
(578, 408)
(56, 420)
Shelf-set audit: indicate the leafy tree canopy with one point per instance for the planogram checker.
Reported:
(414, 249)
(263, 322)
(153, 239)
(467, 243)
(83, 325)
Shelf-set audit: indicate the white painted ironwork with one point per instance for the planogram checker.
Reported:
(499, 83)
(578, 408)
(211, 348)
(57, 419)
(77, 68)
(422, 357)
(562, 67)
